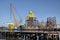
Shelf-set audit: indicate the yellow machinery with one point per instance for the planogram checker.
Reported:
(31, 14)
(11, 26)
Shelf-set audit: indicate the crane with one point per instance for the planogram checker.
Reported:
(13, 13)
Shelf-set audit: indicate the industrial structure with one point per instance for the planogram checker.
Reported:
(51, 22)
(32, 29)
(31, 21)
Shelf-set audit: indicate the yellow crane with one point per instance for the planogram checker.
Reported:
(12, 26)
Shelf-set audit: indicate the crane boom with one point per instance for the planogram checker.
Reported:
(13, 13)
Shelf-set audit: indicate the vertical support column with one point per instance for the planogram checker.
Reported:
(59, 35)
(37, 36)
(47, 37)
(5, 35)
(30, 36)
(56, 37)
(24, 37)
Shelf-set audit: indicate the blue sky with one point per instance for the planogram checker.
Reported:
(41, 8)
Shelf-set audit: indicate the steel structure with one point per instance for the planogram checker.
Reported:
(51, 22)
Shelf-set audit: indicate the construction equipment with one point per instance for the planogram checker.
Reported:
(30, 15)
(16, 23)
(11, 26)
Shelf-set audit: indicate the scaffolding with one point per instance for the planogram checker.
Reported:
(51, 23)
